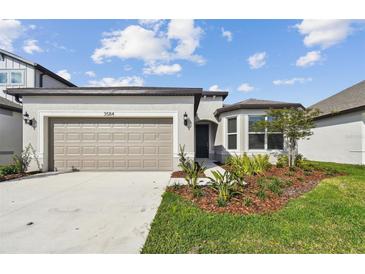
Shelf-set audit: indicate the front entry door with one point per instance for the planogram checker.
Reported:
(202, 141)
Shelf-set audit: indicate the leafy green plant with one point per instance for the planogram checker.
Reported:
(244, 165)
(247, 201)
(282, 161)
(192, 171)
(261, 194)
(23, 160)
(8, 169)
(182, 156)
(224, 184)
(276, 186)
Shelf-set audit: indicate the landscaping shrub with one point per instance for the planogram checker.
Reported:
(282, 161)
(8, 169)
(224, 184)
(247, 201)
(244, 165)
(192, 171)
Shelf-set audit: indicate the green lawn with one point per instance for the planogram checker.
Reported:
(329, 219)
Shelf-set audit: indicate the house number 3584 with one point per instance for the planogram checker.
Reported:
(108, 113)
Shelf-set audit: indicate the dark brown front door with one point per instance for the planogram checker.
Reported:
(202, 141)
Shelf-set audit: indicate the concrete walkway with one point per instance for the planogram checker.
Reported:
(82, 212)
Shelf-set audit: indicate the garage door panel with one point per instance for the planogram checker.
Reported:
(111, 144)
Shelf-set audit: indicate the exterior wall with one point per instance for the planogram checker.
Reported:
(10, 135)
(48, 82)
(340, 139)
(220, 144)
(10, 63)
(42, 107)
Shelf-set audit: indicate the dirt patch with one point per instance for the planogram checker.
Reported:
(17, 176)
(295, 183)
(182, 174)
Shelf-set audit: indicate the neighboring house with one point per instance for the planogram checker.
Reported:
(140, 128)
(339, 135)
(16, 72)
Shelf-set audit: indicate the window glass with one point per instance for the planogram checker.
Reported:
(3, 77)
(16, 77)
(256, 141)
(232, 141)
(275, 141)
(253, 120)
(232, 125)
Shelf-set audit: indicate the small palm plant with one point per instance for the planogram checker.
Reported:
(225, 185)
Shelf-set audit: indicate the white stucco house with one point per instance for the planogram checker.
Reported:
(339, 135)
(140, 128)
(16, 72)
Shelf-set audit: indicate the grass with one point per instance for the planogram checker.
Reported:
(329, 219)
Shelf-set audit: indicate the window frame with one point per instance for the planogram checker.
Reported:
(231, 133)
(8, 77)
(266, 133)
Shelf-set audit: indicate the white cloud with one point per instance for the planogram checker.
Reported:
(188, 39)
(257, 60)
(10, 30)
(309, 59)
(245, 87)
(227, 34)
(214, 88)
(154, 24)
(90, 73)
(292, 81)
(30, 46)
(178, 42)
(64, 74)
(324, 33)
(114, 82)
(162, 69)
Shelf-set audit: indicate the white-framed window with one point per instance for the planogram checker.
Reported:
(16, 77)
(261, 138)
(11, 77)
(232, 133)
(3, 77)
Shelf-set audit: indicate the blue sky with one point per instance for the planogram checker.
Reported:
(287, 60)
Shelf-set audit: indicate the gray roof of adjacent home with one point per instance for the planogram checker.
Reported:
(9, 105)
(348, 100)
(39, 67)
(110, 91)
(257, 104)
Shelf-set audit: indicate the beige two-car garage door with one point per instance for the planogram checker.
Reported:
(110, 144)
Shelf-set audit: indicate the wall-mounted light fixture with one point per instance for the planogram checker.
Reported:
(185, 119)
(27, 120)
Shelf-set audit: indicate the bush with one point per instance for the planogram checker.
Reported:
(261, 194)
(192, 171)
(276, 186)
(225, 185)
(244, 165)
(8, 169)
(282, 161)
(247, 201)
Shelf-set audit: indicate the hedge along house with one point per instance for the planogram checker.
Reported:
(339, 135)
(139, 128)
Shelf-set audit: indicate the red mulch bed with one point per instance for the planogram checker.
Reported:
(182, 174)
(300, 183)
(16, 176)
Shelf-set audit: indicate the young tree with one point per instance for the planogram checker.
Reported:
(294, 123)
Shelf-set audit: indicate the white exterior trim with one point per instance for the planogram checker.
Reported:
(44, 114)
(225, 133)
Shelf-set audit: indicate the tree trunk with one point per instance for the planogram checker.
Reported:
(292, 152)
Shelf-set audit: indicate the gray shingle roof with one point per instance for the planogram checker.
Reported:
(6, 104)
(349, 99)
(256, 104)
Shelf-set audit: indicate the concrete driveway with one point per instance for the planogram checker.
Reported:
(81, 212)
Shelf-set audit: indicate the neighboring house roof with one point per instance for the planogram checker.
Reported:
(348, 100)
(6, 104)
(224, 94)
(39, 67)
(110, 91)
(256, 104)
